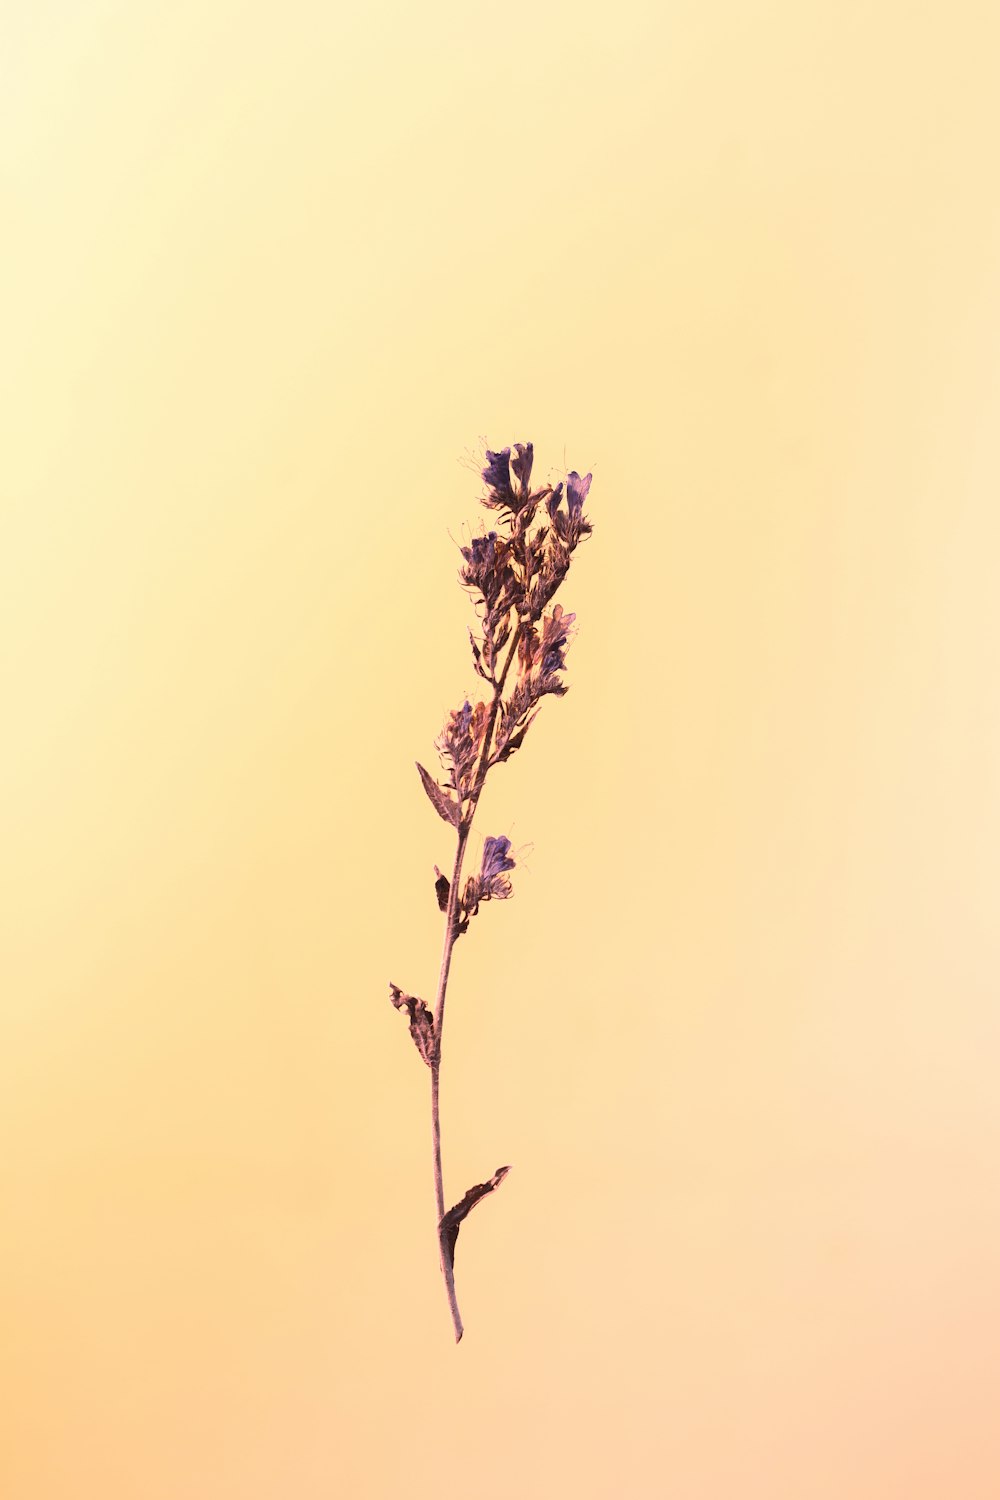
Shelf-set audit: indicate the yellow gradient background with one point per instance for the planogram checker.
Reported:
(271, 274)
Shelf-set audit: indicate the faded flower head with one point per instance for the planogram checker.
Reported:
(479, 570)
(521, 462)
(515, 569)
(518, 570)
(577, 490)
(496, 862)
(487, 568)
(554, 640)
(497, 476)
(460, 741)
(482, 553)
(570, 524)
(502, 491)
(541, 655)
(493, 881)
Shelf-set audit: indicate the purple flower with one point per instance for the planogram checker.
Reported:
(493, 879)
(555, 639)
(459, 743)
(524, 454)
(577, 490)
(480, 563)
(497, 477)
(502, 494)
(496, 857)
(570, 524)
(482, 551)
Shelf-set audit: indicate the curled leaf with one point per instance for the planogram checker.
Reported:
(421, 1023)
(444, 805)
(442, 889)
(451, 1221)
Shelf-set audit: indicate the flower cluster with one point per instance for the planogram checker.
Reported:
(521, 567)
(489, 570)
(503, 492)
(513, 572)
(493, 881)
(570, 524)
(459, 745)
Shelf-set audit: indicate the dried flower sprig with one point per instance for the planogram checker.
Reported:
(513, 574)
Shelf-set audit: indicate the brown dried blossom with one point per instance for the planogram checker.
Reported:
(421, 1023)
(459, 745)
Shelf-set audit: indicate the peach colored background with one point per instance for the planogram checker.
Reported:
(270, 271)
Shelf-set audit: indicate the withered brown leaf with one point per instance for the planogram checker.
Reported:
(445, 806)
(452, 1220)
(421, 1022)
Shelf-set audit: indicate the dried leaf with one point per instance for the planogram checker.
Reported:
(451, 1222)
(443, 805)
(515, 742)
(477, 658)
(442, 887)
(471, 898)
(421, 1023)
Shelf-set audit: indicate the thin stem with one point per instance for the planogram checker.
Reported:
(484, 758)
(450, 934)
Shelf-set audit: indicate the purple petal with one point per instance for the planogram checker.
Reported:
(577, 490)
(496, 858)
(497, 471)
(521, 463)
